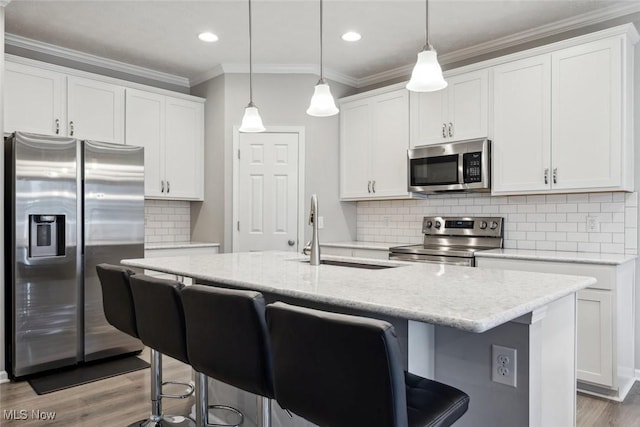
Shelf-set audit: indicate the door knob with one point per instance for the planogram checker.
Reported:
(291, 242)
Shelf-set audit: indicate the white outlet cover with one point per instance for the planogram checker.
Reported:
(320, 222)
(504, 365)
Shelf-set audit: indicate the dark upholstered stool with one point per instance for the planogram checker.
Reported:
(117, 301)
(338, 370)
(160, 322)
(227, 340)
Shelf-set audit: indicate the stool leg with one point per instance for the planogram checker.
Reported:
(156, 385)
(264, 411)
(202, 399)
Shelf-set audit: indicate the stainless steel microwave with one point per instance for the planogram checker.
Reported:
(453, 166)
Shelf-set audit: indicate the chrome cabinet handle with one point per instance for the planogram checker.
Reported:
(450, 129)
(369, 187)
(373, 186)
(546, 175)
(444, 130)
(71, 128)
(162, 186)
(291, 242)
(168, 187)
(57, 126)
(555, 175)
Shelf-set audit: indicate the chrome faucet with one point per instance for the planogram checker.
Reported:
(313, 247)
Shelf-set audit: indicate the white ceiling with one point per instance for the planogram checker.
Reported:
(161, 35)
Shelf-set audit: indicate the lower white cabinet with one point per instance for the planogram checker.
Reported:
(356, 253)
(605, 335)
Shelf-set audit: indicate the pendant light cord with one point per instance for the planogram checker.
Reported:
(426, 25)
(250, 61)
(321, 67)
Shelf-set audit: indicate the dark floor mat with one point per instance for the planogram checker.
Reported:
(85, 374)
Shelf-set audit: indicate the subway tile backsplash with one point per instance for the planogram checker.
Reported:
(589, 222)
(167, 221)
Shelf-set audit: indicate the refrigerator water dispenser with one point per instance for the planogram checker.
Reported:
(46, 235)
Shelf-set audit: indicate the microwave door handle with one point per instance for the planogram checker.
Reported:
(461, 168)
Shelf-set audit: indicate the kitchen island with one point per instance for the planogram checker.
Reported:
(453, 316)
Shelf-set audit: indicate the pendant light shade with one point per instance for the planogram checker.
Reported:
(322, 103)
(427, 73)
(251, 121)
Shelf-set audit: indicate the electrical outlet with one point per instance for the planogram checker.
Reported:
(503, 365)
(593, 224)
(320, 222)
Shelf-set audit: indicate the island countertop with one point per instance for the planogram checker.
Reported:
(470, 299)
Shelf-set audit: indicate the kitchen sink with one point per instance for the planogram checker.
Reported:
(353, 264)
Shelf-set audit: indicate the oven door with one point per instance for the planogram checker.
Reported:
(433, 259)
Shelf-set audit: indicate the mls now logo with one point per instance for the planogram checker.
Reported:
(14, 414)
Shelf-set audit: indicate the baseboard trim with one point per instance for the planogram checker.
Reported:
(637, 374)
(4, 377)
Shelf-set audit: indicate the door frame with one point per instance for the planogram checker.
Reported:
(300, 131)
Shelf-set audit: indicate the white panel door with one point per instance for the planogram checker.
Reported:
(95, 110)
(429, 117)
(389, 144)
(595, 337)
(468, 105)
(587, 120)
(268, 192)
(145, 128)
(34, 100)
(521, 126)
(184, 149)
(355, 148)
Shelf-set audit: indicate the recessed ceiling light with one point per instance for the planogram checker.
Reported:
(351, 36)
(208, 37)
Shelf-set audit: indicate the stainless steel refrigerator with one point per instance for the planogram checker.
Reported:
(69, 205)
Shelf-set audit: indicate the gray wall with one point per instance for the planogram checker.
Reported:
(282, 100)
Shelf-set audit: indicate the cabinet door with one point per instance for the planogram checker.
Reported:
(95, 110)
(587, 115)
(34, 100)
(355, 136)
(468, 105)
(521, 126)
(595, 337)
(184, 149)
(389, 144)
(429, 117)
(145, 127)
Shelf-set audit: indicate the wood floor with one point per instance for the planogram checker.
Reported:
(122, 400)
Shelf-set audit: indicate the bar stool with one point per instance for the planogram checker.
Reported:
(160, 322)
(339, 370)
(227, 340)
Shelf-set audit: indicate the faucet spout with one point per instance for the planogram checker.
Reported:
(313, 247)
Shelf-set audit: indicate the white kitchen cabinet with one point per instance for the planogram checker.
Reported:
(374, 138)
(171, 131)
(561, 120)
(605, 344)
(456, 113)
(35, 100)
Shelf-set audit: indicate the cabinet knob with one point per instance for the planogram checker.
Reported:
(162, 186)
(555, 175)
(373, 186)
(444, 130)
(71, 129)
(450, 129)
(291, 242)
(546, 175)
(369, 187)
(168, 187)
(57, 126)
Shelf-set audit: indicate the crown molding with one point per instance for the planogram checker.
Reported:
(97, 61)
(3, 3)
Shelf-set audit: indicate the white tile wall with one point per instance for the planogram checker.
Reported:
(167, 221)
(544, 222)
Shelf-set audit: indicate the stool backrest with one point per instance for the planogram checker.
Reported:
(159, 315)
(227, 337)
(117, 300)
(337, 370)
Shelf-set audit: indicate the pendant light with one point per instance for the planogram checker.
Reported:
(322, 103)
(251, 121)
(427, 74)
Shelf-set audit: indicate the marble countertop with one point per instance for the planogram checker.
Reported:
(180, 245)
(558, 256)
(378, 246)
(471, 299)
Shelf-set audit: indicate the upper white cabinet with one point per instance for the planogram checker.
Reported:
(562, 120)
(456, 113)
(51, 103)
(171, 132)
(374, 138)
(95, 110)
(35, 100)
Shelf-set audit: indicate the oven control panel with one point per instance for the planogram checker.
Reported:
(463, 226)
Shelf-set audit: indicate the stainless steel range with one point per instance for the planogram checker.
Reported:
(453, 240)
